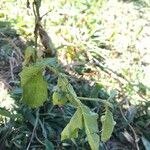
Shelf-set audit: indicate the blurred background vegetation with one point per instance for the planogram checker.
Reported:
(103, 45)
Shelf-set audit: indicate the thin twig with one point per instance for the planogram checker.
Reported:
(38, 139)
(36, 23)
(92, 99)
(33, 132)
(132, 129)
(11, 69)
(28, 4)
(45, 14)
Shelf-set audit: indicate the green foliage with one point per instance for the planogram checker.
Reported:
(76, 123)
(91, 127)
(6, 113)
(33, 84)
(30, 55)
(49, 145)
(86, 119)
(66, 90)
(108, 124)
(30, 72)
(31, 78)
(59, 98)
(83, 119)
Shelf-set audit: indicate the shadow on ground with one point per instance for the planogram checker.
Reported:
(11, 52)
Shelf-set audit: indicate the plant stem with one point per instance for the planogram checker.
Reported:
(33, 132)
(92, 99)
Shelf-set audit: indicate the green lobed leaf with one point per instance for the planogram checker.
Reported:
(108, 124)
(76, 123)
(34, 86)
(91, 127)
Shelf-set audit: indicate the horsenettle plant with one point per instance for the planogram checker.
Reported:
(35, 93)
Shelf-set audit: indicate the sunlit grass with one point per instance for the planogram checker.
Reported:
(5, 99)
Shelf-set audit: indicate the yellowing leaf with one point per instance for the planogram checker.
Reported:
(83, 118)
(28, 73)
(66, 88)
(108, 124)
(30, 55)
(64, 85)
(91, 127)
(71, 130)
(58, 98)
(34, 86)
